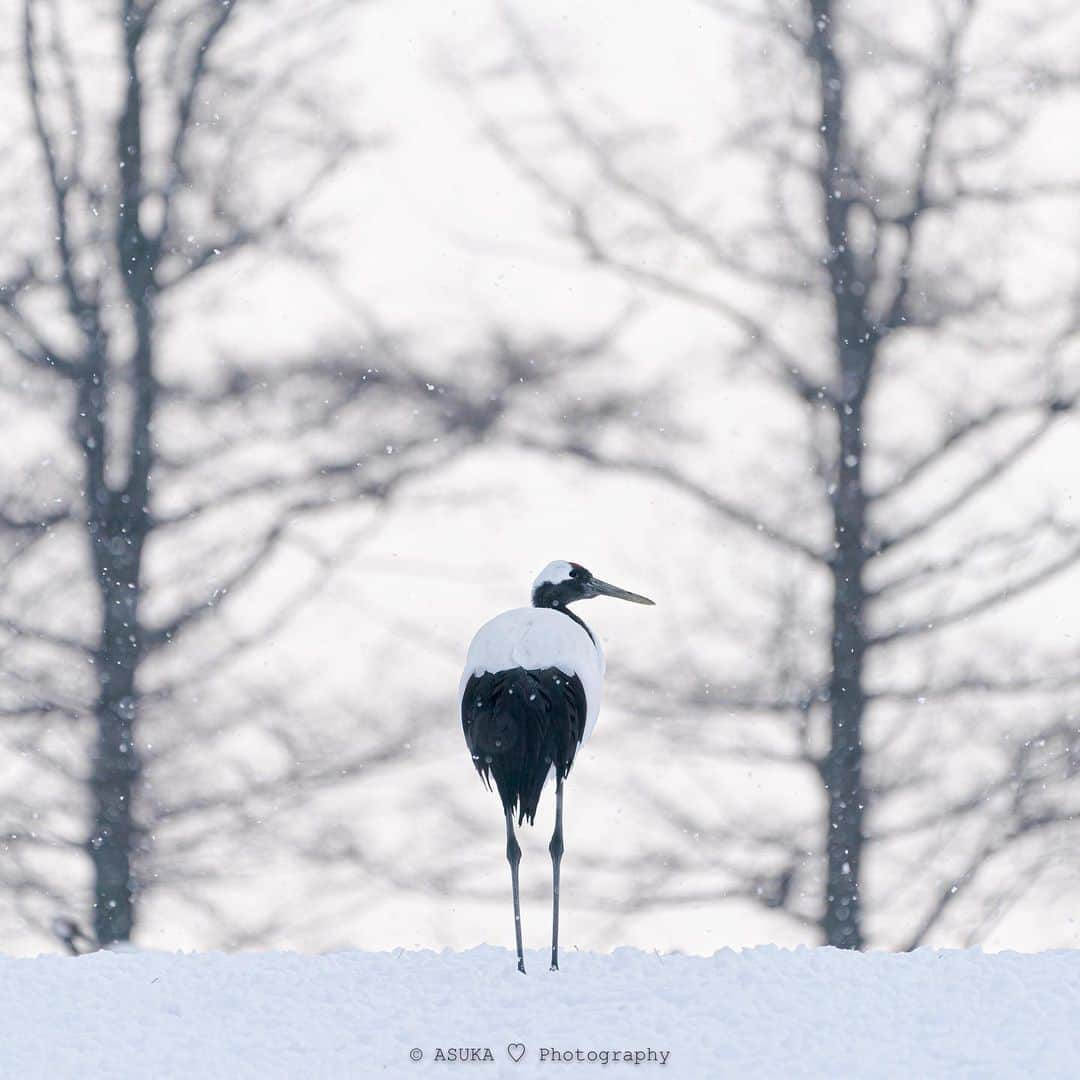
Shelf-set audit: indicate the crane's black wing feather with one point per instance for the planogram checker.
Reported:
(519, 725)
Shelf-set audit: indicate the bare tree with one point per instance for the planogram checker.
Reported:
(175, 483)
(871, 275)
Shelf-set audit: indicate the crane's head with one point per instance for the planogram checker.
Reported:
(561, 583)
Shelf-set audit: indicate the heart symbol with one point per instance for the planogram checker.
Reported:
(516, 1051)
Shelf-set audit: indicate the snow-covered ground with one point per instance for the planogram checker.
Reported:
(764, 1012)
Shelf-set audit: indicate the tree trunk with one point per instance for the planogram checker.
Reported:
(847, 701)
(855, 352)
(116, 765)
(119, 523)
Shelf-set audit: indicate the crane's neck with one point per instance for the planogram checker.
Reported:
(548, 597)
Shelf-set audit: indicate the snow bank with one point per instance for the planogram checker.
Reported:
(764, 1013)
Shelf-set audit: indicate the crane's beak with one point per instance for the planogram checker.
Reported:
(602, 588)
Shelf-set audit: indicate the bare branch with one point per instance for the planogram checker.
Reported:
(960, 433)
(996, 597)
(784, 364)
(60, 180)
(1042, 682)
(961, 882)
(933, 570)
(730, 511)
(1001, 464)
(941, 90)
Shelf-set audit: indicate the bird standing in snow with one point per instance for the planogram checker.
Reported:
(530, 696)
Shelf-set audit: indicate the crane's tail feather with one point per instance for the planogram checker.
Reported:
(520, 726)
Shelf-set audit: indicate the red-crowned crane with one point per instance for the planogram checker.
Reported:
(530, 696)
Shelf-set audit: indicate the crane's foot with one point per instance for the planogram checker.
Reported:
(521, 966)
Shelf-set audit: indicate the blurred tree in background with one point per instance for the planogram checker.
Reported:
(858, 229)
(158, 486)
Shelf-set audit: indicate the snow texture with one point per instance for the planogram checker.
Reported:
(763, 1013)
(533, 638)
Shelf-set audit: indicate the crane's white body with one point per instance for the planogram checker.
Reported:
(533, 638)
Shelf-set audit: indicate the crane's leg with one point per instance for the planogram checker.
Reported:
(556, 849)
(513, 857)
